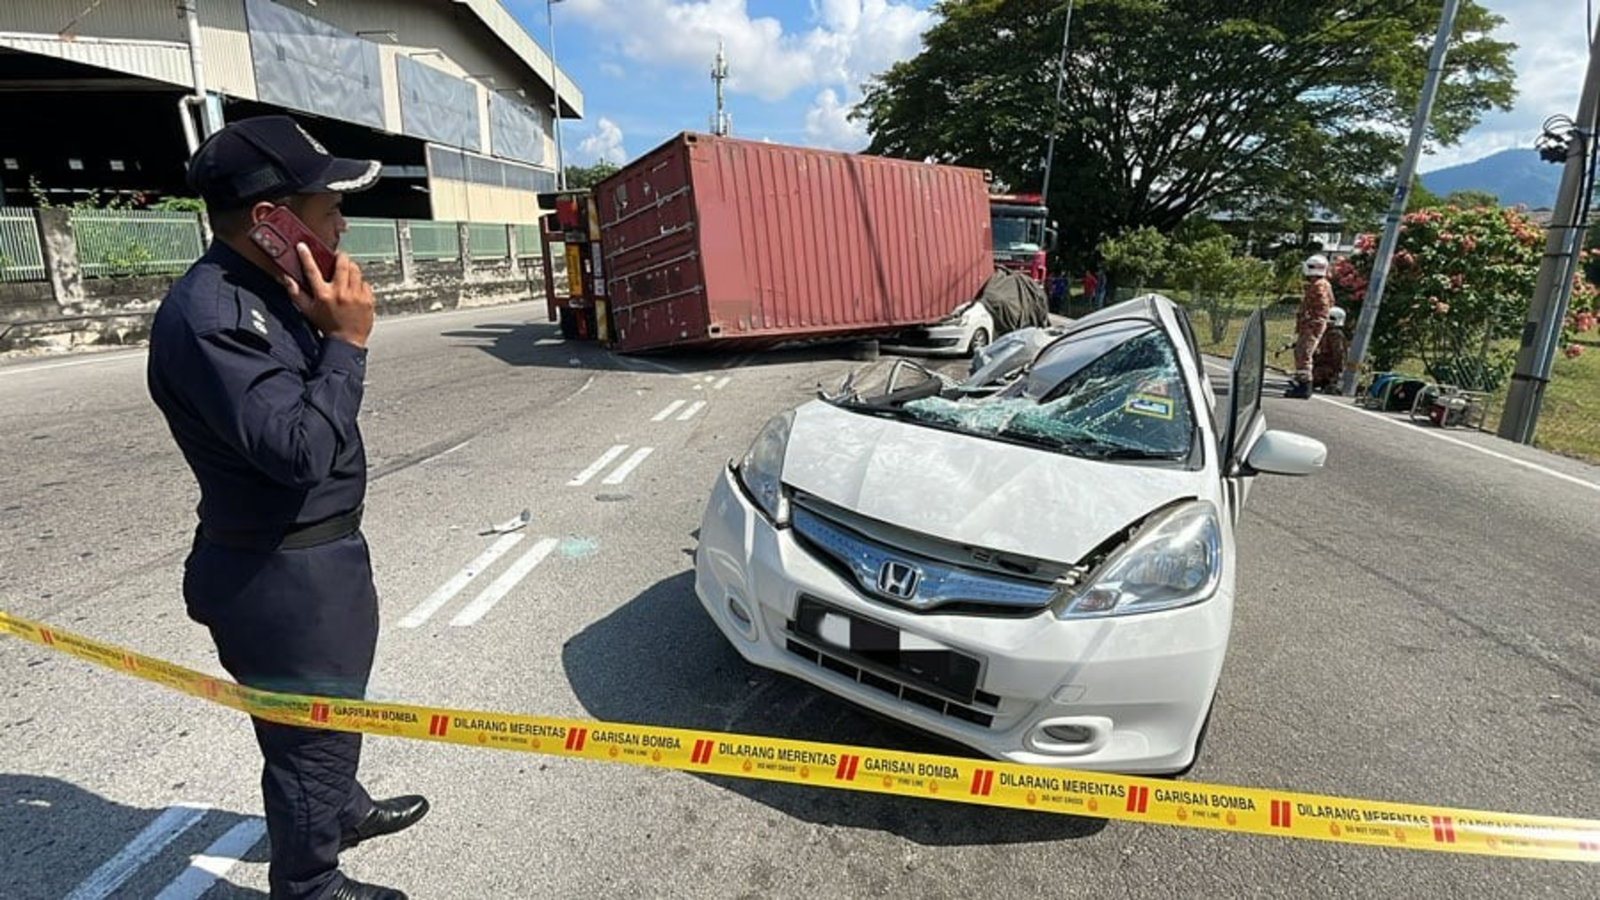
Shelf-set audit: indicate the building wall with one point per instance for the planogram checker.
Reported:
(148, 20)
(442, 35)
(225, 48)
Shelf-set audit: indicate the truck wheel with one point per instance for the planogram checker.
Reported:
(577, 324)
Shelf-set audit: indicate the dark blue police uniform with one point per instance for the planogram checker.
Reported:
(264, 411)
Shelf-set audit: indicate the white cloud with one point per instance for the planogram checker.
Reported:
(604, 144)
(849, 40)
(827, 124)
(1549, 62)
(612, 70)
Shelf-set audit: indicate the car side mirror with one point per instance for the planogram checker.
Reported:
(1285, 453)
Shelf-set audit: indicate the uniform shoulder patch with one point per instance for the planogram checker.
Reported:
(252, 319)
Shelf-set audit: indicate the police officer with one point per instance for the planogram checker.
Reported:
(260, 380)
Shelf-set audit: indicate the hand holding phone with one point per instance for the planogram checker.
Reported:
(326, 287)
(277, 236)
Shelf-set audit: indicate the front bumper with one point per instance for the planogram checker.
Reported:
(933, 340)
(1131, 692)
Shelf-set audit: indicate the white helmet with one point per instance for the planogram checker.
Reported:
(1336, 317)
(1315, 266)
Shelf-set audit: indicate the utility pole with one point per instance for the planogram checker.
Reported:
(1551, 293)
(719, 74)
(1397, 211)
(555, 95)
(1055, 115)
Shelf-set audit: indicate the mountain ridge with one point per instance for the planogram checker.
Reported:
(1516, 176)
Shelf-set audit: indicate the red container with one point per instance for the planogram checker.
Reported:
(713, 241)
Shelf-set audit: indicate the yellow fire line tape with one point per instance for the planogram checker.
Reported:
(1219, 807)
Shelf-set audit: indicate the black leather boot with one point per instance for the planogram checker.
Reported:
(387, 817)
(350, 889)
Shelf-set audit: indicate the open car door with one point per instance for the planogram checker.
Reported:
(1243, 424)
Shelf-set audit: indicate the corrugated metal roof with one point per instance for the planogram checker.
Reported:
(156, 60)
(494, 16)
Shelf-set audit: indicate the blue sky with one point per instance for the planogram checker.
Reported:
(797, 66)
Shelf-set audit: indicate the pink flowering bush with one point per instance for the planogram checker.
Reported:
(1460, 281)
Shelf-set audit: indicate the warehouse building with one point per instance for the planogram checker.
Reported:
(106, 98)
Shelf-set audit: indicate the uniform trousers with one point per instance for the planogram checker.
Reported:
(300, 621)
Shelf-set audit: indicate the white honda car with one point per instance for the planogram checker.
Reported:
(1037, 562)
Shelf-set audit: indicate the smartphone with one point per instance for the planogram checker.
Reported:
(277, 234)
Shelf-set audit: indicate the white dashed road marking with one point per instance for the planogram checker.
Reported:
(627, 467)
(500, 587)
(461, 579)
(145, 846)
(666, 413)
(721, 383)
(215, 861)
(693, 408)
(595, 467)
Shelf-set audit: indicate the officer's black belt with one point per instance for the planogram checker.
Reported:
(299, 537)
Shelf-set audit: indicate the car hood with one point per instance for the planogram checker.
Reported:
(973, 490)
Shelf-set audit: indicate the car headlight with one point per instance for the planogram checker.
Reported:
(761, 470)
(1175, 560)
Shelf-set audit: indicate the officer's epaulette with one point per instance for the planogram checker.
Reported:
(253, 319)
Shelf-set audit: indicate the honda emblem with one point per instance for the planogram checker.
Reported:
(898, 580)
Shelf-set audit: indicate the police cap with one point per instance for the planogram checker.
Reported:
(268, 157)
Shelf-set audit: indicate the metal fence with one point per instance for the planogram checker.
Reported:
(372, 240)
(115, 242)
(528, 244)
(488, 241)
(435, 240)
(21, 256)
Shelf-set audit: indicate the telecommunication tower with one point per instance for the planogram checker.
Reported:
(720, 120)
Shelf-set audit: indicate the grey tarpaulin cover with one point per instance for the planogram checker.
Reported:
(308, 65)
(1014, 301)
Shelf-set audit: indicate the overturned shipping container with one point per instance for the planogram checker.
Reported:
(713, 241)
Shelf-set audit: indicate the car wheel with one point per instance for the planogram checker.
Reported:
(980, 340)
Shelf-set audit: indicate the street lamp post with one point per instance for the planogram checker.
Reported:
(1055, 116)
(555, 95)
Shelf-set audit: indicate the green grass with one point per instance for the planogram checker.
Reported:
(1569, 419)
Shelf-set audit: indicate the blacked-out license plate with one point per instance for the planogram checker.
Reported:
(916, 659)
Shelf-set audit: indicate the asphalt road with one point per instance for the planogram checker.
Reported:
(1417, 623)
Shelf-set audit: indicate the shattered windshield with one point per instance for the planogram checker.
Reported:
(1111, 393)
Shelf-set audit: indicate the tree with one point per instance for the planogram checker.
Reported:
(1217, 279)
(1470, 199)
(1136, 258)
(1459, 285)
(1175, 106)
(579, 177)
